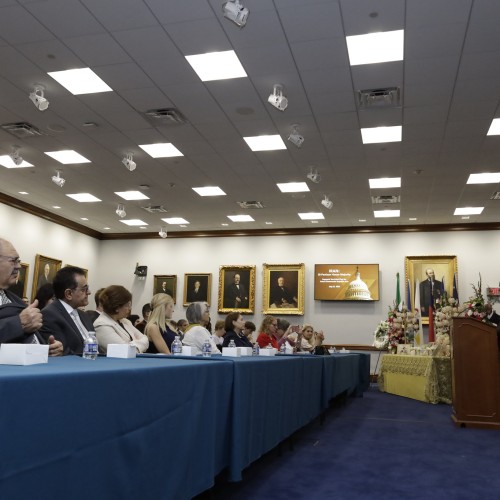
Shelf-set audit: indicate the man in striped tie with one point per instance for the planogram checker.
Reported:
(19, 323)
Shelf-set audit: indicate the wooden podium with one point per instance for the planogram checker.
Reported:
(475, 369)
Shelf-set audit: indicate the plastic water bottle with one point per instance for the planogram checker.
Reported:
(207, 349)
(90, 347)
(283, 348)
(256, 349)
(176, 347)
(231, 343)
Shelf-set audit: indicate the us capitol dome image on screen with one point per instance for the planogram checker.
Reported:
(358, 289)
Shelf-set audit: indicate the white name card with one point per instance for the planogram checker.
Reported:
(267, 352)
(23, 354)
(121, 351)
(231, 351)
(245, 351)
(187, 350)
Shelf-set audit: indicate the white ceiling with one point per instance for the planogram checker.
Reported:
(449, 80)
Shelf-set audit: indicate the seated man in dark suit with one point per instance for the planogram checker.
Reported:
(62, 318)
(282, 296)
(491, 315)
(235, 294)
(19, 323)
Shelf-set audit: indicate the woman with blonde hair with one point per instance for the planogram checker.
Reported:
(160, 329)
(267, 332)
(310, 341)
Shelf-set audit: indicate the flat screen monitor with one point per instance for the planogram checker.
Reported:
(359, 282)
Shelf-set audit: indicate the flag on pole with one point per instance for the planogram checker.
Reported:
(455, 290)
(408, 295)
(432, 337)
(419, 334)
(398, 294)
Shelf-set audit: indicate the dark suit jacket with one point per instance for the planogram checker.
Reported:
(281, 295)
(11, 330)
(57, 322)
(201, 296)
(495, 318)
(425, 294)
(232, 292)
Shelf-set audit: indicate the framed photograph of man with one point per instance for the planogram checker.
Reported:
(20, 287)
(237, 289)
(283, 289)
(197, 288)
(428, 278)
(165, 283)
(45, 270)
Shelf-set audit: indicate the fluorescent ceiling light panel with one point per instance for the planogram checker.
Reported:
(311, 216)
(468, 211)
(217, 65)
(133, 222)
(386, 213)
(265, 143)
(132, 195)
(385, 182)
(241, 218)
(80, 81)
(376, 47)
(67, 157)
(175, 220)
(161, 150)
(494, 127)
(83, 197)
(293, 187)
(209, 191)
(486, 178)
(375, 135)
(6, 161)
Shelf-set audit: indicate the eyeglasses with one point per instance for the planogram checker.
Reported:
(84, 288)
(12, 260)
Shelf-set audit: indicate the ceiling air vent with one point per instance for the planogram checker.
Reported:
(378, 98)
(250, 204)
(155, 209)
(165, 116)
(21, 130)
(495, 196)
(380, 200)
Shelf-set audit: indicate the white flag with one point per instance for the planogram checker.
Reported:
(419, 334)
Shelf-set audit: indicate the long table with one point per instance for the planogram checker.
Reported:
(154, 426)
(425, 378)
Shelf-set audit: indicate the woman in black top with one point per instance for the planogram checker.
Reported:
(234, 325)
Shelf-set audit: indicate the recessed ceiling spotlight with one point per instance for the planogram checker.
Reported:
(38, 98)
(129, 162)
(235, 12)
(327, 203)
(314, 176)
(277, 99)
(163, 232)
(57, 179)
(295, 137)
(16, 156)
(120, 211)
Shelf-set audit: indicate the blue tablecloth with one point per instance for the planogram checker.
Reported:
(113, 428)
(156, 426)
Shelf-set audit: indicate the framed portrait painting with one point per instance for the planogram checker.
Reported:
(197, 288)
(45, 270)
(428, 278)
(20, 287)
(283, 289)
(237, 289)
(165, 283)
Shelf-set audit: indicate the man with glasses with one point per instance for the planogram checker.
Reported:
(63, 318)
(19, 323)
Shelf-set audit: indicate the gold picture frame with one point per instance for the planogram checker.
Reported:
(194, 294)
(237, 289)
(20, 287)
(45, 270)
(445, 269)
(283, 289)
(165, 283)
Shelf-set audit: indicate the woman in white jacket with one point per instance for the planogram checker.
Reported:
(112, 326)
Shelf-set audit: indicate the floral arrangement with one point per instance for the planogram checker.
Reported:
(475, 307)
(399, 328)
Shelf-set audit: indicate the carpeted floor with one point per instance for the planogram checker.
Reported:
(377, 446)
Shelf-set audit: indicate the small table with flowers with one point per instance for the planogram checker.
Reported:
(425, 378)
